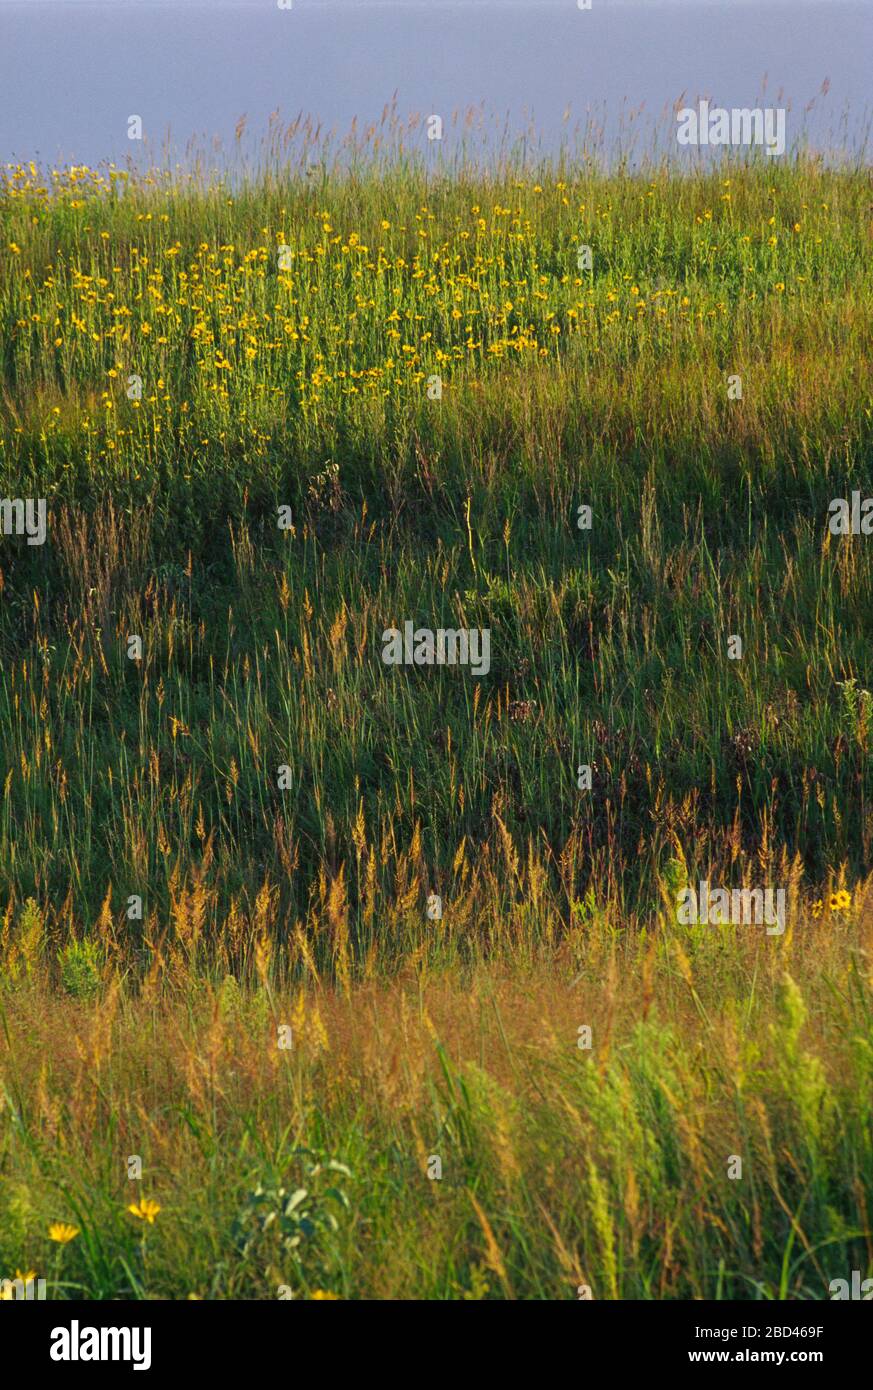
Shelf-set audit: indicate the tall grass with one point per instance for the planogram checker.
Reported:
(562, 1169)
(286, 332)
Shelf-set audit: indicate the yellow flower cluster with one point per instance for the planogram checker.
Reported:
(303, 314)
(837, 902)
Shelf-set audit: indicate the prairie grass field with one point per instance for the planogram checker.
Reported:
(273, 418)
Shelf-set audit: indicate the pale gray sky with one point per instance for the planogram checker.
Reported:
(73, 71)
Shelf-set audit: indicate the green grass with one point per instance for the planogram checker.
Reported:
(307, 387)
(561, 1167)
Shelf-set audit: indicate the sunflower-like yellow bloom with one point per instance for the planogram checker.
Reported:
(144, 1210)
(62, 1232)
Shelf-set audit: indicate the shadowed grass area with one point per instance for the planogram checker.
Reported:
(263, 387)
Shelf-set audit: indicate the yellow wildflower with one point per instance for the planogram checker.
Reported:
(145, 1210)
(62, 1232)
